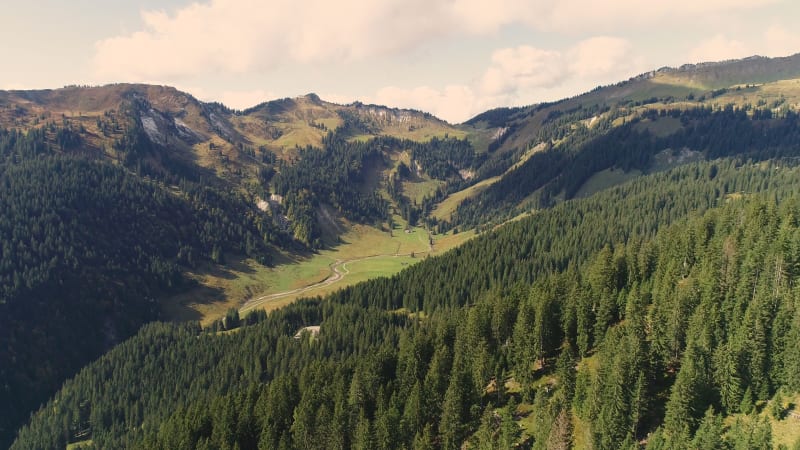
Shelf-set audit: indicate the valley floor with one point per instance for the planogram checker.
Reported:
(363, 253)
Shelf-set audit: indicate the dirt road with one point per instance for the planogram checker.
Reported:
(339, 269)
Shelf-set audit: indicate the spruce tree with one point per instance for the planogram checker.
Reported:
(709, 434)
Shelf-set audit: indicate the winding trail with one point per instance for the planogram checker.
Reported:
(338, 269)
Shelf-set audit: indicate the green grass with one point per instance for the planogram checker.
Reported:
(424, 133)
(82, 444)
(330, 123)
(220, 287)
(786, 92)
(604, 180)
(300, 134)
(374, 253)
(582, 436)
(661, 127)
(429, 130)
(527, 421)
(417, 190)
(445, 209)
(667, 87)
(481, 138)
(360, 138)
(417, 241)
(444, 242)
(296, 273)
(381, 266)
(787, 430)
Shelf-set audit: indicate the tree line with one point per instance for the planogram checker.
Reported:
(561, 169)
(86, 248)
(640, 330)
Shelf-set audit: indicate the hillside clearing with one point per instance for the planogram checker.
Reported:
(363, 252)
(445, 209)
(605, 179)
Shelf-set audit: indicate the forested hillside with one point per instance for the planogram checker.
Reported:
(111, 194)
(631, 285)
(606, 336)
(559, 171)
(550, 152)
(87, 248)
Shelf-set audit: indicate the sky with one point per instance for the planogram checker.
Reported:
(452, 58)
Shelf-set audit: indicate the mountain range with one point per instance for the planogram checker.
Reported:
(501, 262)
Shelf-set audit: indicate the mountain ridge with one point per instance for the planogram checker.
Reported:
(374, 168)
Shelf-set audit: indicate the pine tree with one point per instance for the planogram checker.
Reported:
(776, 406)
(747, 404)
(363, 438)
(485, 438)
(455, 410)
(691, 392)
(656, 440)
(413, 413)
(565, 371)
(509, 430)
(727, 378)
(750, 434)
(709, 434)
(424, 440)
(791, 356)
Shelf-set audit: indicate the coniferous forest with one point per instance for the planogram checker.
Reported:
(680, 315)
(660, 310)
(87, 248)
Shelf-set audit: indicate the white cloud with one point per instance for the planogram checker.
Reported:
(779, 41)
(601, 56)
(719, 48)
(517, 68)
(774, 41)
(523, 75)
(594, 16)
(239, 36)
(14, 87)
(597, 59)
(244, 99)
(243, 39)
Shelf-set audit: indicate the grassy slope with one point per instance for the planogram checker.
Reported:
(284, 124)
(445, 209)
(747, 84)
(295, 119)
(223, 287)
(280, 126)
(604, 180)
(416, 190)
(786, 431)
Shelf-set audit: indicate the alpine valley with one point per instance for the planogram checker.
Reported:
(615, 270)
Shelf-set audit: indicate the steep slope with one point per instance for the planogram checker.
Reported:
(564, 144)
(285, 124)
(105, 206)
(420, 348)
(198, 171)
(127, 188)
(86, 250)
